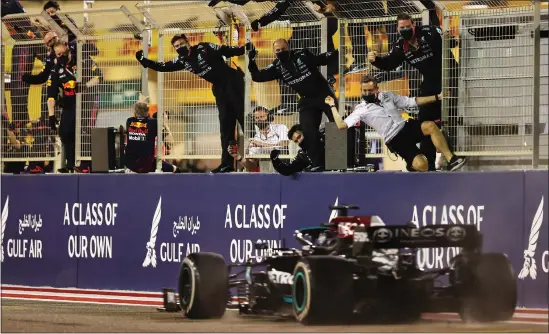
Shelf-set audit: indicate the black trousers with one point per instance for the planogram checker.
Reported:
(229, 98)
(67, 133)
(310, 117)
(430, 112)
(145, 164)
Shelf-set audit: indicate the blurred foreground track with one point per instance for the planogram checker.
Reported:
(37, 316)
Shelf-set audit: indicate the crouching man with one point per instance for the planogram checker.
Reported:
(380, 111)
(301, 162)
(142, 130)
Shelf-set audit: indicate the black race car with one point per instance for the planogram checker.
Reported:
(265, 287)
(349, 269)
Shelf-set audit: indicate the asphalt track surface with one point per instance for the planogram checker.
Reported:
(38, 316)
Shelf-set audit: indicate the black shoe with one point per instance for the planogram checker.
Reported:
(386, 76)
(65, 170)
(316, 169)
(281, 110)
(223, 169)
(355, 68)
(82, 169)
(213, 3)
(331, 81)
(456, 163)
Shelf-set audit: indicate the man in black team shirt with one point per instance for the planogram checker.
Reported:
(142, 130)
(299, 70)
(52, 8)
(421, 47)
(63, 76)
(48, 60)
(206, 61)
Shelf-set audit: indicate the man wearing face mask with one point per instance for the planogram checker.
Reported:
(50, 38)
(421, 47)
(206, 61)
(380, 110)
(267, 134)
(299, 69)
(63, 75)
(53, 9)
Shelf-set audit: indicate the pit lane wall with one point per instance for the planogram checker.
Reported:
(130, 232)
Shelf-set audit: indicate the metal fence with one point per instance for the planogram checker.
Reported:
(494, 101)
(371, 27)
(110, 76)
(491, 80)
(25, 135)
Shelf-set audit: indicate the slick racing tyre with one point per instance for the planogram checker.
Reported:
(487, 287)
(203, 286)
(322, 290)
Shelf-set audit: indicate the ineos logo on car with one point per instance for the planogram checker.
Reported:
(456, 233)
(382, 235)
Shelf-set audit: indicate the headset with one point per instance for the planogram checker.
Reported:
(270, 113)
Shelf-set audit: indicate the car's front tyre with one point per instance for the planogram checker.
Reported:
(203, 286)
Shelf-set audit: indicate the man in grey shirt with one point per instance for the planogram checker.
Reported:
(380, 110)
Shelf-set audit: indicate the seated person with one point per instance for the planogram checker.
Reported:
(139, 154)
(380, 111)
(267, 134)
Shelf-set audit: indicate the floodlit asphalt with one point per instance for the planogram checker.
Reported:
(38, 316)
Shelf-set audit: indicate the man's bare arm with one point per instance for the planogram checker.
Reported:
(423, 100)
(337, 117)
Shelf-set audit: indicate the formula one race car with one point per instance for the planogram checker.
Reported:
(205, 278)
(350, 269)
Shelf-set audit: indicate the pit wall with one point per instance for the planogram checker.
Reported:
(130, 232)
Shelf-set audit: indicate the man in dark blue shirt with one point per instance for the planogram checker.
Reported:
(142, 132)
(63, 76)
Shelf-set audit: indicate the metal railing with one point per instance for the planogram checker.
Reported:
(492, 105)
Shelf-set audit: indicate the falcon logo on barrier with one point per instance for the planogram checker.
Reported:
(529, 267)
(5, 211)
(171, 251)
(334, 212)
(150, 258)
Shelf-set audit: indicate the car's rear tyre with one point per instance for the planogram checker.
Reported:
(322, 290)
(487, 288)
(203, 286)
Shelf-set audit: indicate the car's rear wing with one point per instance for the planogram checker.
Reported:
(465, 236)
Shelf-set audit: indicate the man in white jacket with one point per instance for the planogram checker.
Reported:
(380, 110)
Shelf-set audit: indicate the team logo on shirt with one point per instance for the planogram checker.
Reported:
(71, 84)
(138, 125)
